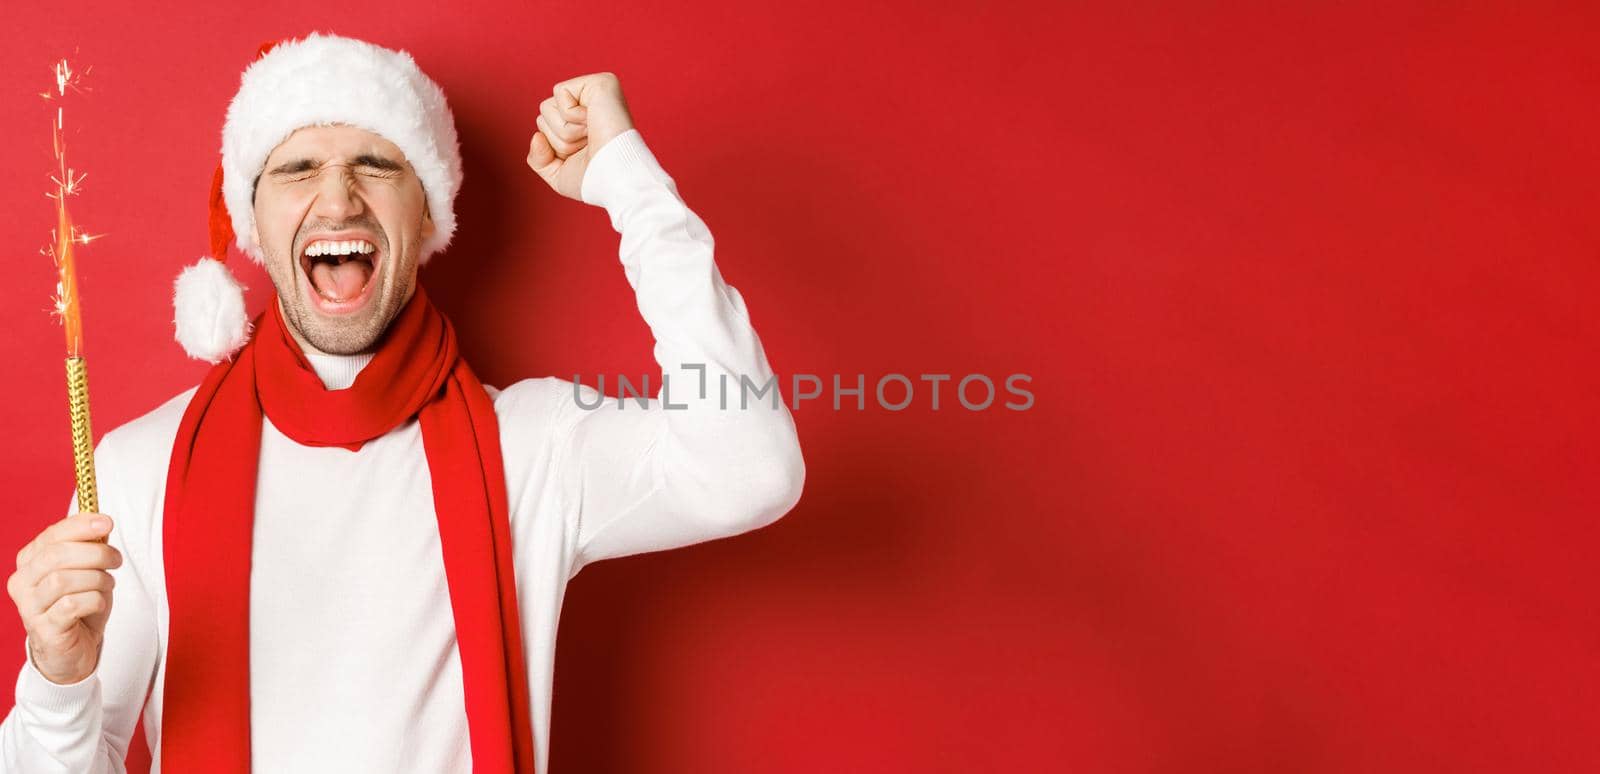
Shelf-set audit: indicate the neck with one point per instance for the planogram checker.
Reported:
(337, 372)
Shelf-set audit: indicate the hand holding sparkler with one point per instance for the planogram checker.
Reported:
(61, 588)
(62, 591)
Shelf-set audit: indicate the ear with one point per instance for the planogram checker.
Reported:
(427, 222)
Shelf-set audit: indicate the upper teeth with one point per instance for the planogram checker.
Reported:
(326, 247)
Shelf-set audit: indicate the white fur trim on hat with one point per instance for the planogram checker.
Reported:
(208, 306)
(327, 79)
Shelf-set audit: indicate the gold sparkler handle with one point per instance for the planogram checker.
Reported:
(82, 436)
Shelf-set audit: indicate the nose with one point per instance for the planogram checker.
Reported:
(338, 197)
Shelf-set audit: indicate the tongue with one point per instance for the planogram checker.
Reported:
(340, 282)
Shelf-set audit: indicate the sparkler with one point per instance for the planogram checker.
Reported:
(64, 240)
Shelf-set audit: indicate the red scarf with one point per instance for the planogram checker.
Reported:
(210, 507)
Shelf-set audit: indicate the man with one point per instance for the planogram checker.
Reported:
(341, 552)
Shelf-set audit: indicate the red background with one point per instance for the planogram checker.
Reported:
(1308, 483)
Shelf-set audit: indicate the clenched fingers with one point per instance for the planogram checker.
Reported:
(585, 88)
(61, 583)
(567, 126)
(568, 105)
(75, 555)
(77, 527)
(66, 611)
(563, 148)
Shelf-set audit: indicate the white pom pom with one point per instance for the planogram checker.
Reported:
(208, 311)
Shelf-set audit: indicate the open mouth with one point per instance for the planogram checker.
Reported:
(340, 272)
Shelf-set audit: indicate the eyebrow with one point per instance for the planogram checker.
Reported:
(372, 160)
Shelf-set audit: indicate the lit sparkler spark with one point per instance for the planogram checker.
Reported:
(68, 182)
(66, 78)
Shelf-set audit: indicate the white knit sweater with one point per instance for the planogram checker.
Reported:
(353, 660)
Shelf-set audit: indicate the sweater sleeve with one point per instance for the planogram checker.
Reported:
(86, 726)
(703, 458)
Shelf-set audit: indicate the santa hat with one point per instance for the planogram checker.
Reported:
(320, 79)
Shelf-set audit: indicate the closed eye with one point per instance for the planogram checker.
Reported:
(367, 164)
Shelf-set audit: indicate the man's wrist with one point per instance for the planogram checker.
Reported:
(45, 698)
(623, 164)
(33, 664)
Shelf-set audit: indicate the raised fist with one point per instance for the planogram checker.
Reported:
(574, 123)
